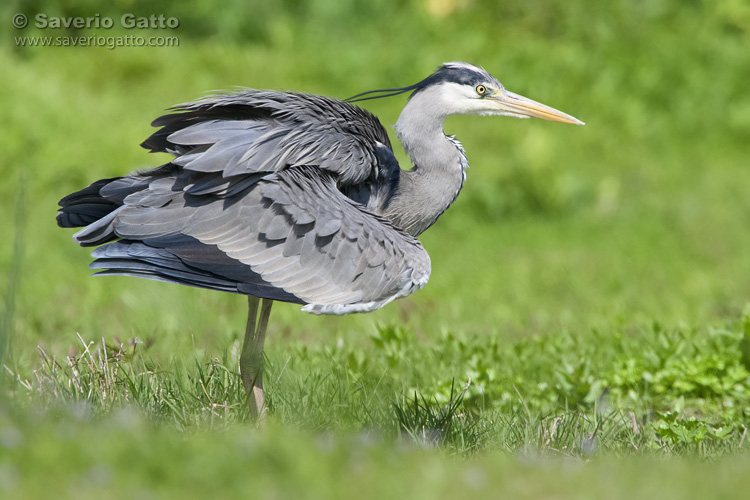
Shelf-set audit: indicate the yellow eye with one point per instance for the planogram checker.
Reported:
(481, 89)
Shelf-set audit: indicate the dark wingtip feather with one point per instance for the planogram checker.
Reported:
(73, 218)
(85, 206)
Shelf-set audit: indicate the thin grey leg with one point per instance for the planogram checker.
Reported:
(251, 359)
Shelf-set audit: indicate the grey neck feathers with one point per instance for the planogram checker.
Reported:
(426, 191)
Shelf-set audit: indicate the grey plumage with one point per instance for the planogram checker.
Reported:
(290, 196)
(255, 206)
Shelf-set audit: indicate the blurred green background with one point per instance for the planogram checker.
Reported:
(640, 217)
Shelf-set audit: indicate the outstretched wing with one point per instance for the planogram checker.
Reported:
(290, 236)
(252, 131)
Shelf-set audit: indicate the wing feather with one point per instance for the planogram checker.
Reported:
(334, 268)
(265, 131)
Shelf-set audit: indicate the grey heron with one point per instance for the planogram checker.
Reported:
(292, 197)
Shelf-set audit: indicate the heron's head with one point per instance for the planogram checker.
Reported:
(459, 88)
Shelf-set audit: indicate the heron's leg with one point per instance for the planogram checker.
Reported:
(251, 359)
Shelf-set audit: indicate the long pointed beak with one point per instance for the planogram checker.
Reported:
(524, 107)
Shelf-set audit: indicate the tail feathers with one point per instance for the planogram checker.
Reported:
(206, 267)
(130, 258)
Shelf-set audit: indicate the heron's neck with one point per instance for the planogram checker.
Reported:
(426, 191)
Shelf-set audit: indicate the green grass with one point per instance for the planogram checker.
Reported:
(585, 332)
